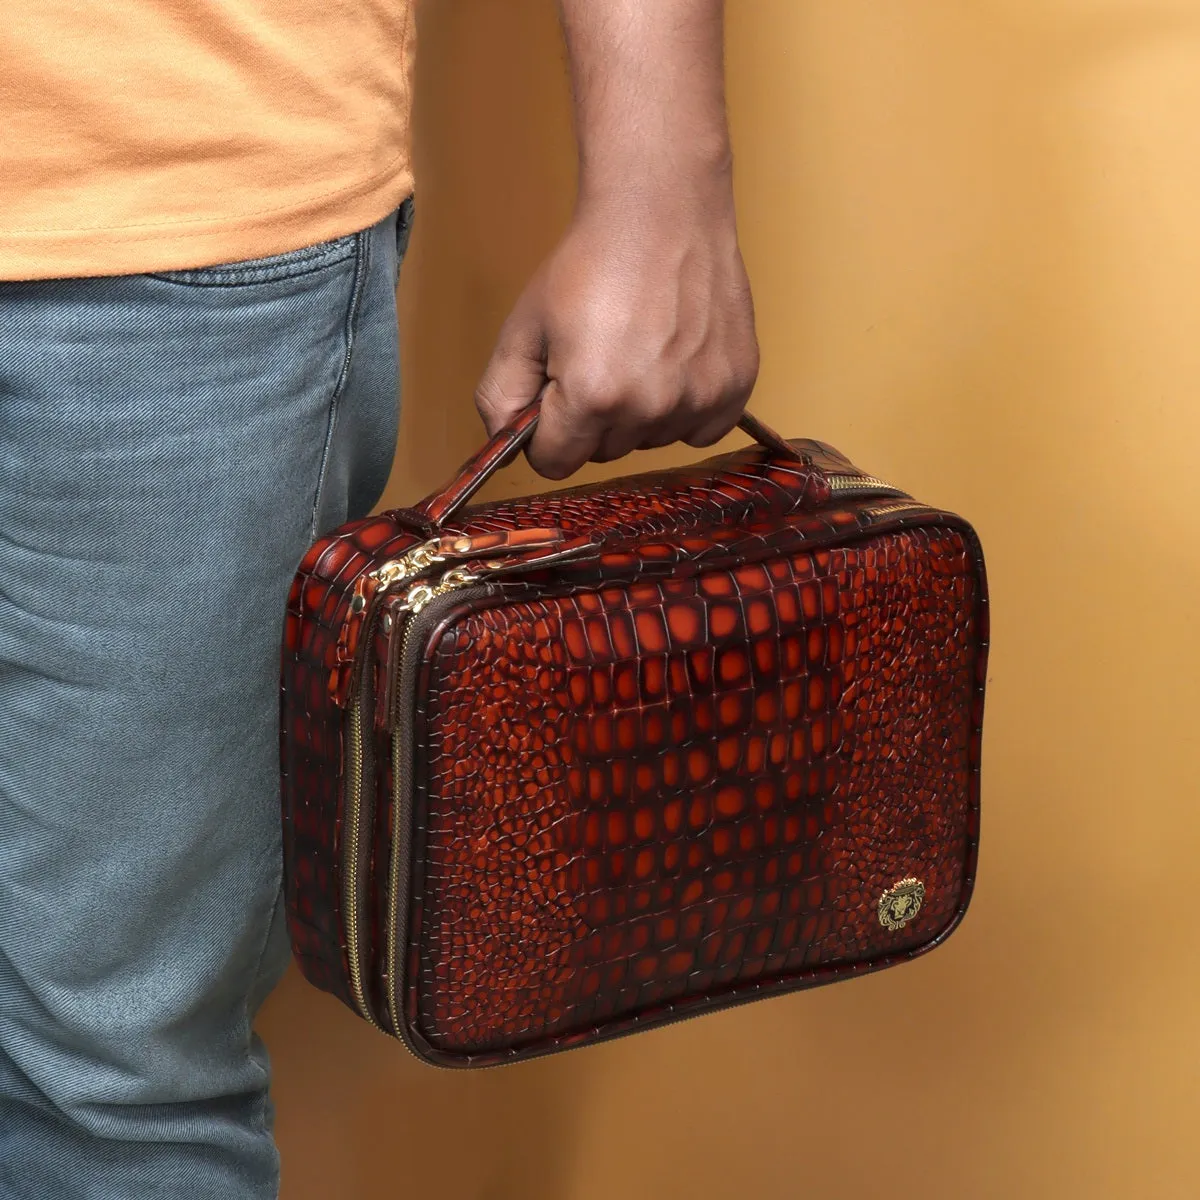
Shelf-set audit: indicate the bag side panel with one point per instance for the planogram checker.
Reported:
(311, 746)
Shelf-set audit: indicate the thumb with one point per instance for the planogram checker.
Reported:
(565, 437)
(515, 373)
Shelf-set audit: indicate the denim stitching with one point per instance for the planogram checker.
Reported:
(262, 1117)
(362, 256)
(289, 265)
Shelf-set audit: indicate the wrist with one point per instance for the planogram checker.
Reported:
(696, 182)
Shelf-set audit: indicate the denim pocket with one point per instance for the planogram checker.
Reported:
(287, 265)
(404, 223)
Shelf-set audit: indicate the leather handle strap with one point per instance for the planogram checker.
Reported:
(441, 505)
(438, 507)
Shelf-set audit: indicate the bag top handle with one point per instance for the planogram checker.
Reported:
(438, 507)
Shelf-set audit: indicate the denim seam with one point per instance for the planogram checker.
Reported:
(404, 223)
(262, 1116)
(362, 256)
(290, 265)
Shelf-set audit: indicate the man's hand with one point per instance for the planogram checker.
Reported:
(640, 325)
(643, 324)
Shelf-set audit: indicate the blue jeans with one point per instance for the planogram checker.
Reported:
(169, 447)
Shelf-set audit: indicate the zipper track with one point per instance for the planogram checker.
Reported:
(353, 824)
(886, 510)
(359, 816)
(400, 870)
(862, 485)
(359, 793)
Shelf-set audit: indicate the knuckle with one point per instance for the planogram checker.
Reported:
(706, 399)
(708, 436)
(707, 407)
(656, 404)
(716, 423)
(741, 370)
(609, 403)
(723, 376)
(593, 386)
(746, 374)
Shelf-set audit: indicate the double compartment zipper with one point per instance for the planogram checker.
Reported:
(359, 807)
(853, 487)
(360, 786)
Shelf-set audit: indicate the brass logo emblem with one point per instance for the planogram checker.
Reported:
(899, 904)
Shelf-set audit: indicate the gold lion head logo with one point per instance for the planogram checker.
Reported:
(900, 903)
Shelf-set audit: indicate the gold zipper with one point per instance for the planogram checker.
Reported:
(416, 600)
(864, 485)
(397, 570)
(354, 773)
(419, 596)
(886, 510)
(383, 577)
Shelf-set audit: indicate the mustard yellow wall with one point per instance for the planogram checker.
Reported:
(973, 230)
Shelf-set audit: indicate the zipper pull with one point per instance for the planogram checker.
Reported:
(413, 562)
(369, 590)
(450, 546)
(539, 543)
(418, 597)
(347, 636)
(371, 587)
(506, 541)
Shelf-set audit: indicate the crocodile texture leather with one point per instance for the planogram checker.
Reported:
(508, 443)
(674, 771)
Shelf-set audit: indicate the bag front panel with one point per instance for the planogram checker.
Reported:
(651, 799)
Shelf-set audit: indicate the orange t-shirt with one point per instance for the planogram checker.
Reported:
(142, 135)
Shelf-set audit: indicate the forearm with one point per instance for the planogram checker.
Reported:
(648, 83)
(638, 330)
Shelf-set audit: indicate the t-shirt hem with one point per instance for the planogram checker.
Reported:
(138, 249)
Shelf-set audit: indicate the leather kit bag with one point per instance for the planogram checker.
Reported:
(561, 768)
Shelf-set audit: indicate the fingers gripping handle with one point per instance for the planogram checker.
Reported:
(441, 505)
(768, 439)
